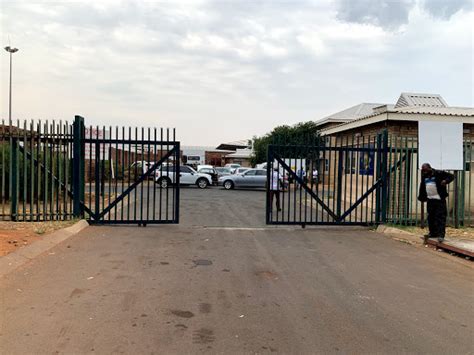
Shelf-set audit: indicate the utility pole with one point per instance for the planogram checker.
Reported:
(11, 51)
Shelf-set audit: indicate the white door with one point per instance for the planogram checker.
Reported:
(187, 176)
(261, 178)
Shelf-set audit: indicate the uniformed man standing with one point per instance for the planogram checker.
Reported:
(433, 191)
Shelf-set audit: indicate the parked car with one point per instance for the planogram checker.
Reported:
(188, 176)
(250, 178)
(199, 167)
(138, 168)
(223, 171)
(209, 170)
(240, 170)
(232, 167)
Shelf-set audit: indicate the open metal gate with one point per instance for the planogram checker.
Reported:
(121, 169)
(333, 181)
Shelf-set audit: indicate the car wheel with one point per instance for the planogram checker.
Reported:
(202, 183)
(164, 183)
(228, 185)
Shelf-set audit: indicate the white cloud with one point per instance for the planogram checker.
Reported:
(238, 67)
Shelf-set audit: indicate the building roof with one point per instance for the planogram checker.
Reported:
(407, 107)
(349, 114)
(241, 153)
(462, 114)
(234, 145)
(407, 99)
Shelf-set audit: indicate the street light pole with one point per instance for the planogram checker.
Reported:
(11, 51)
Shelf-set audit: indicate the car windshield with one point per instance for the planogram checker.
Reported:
(223, 170)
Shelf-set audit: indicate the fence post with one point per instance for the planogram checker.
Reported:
(339, 184)
(385, 186)
(268, 204)
(456, 200)
(14, 181)
(78, 167)
(377, 177)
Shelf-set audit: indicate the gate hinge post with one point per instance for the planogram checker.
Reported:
(14, 180)
(78, 180)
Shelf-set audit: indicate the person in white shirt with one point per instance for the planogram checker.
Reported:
(275, 184)
(434, 192)
(315, 176)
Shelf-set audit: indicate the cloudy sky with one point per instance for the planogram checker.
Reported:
(228, 70)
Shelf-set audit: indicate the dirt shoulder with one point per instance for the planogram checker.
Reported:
(451, 233)
(16, 235)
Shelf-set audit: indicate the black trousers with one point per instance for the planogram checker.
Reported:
(276, 194)
(437, 218)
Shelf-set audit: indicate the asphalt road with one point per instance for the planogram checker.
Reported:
(218, 207)
(192, 289)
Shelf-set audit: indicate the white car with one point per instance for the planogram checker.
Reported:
(139, 168)
(241, 170)
(166, 176)
(232, 167)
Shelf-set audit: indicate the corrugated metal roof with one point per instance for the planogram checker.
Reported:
(234, 145)
(407, 99)
(241, 153)
(437, 111)
(444, 111)
(356, 111)
(243, 142)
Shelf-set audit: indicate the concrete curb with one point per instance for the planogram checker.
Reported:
(400, 235)
(12, 261)
(415, 239)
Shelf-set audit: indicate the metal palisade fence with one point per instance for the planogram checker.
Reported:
(36, 171)
(404, 207)
(58, 171)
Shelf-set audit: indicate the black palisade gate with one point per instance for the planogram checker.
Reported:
(333, 180)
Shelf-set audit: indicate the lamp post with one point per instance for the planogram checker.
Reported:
(11, 51)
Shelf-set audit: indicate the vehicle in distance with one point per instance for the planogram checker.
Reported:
(139, 168)
(254, 178)
(240, 170)
(232, 167)
(209, 170)
(188, 176)
(223, 171)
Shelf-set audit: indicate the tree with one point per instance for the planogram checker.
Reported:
(302, 133)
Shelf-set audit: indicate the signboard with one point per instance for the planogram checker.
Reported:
(441, 144)
(366, 161)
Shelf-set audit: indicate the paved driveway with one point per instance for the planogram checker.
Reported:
(192, 289)
(218, 207)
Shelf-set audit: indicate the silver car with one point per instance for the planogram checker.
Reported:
(250, 178)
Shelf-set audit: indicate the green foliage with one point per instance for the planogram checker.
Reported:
(28, 172)
(299, 134)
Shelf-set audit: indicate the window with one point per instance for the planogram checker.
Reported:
(186, 169)
(206, 171)
(194, 158)
(251, 172)
(166, 168)
(261, 172)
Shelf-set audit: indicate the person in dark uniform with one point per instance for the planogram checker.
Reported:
(433, 191)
